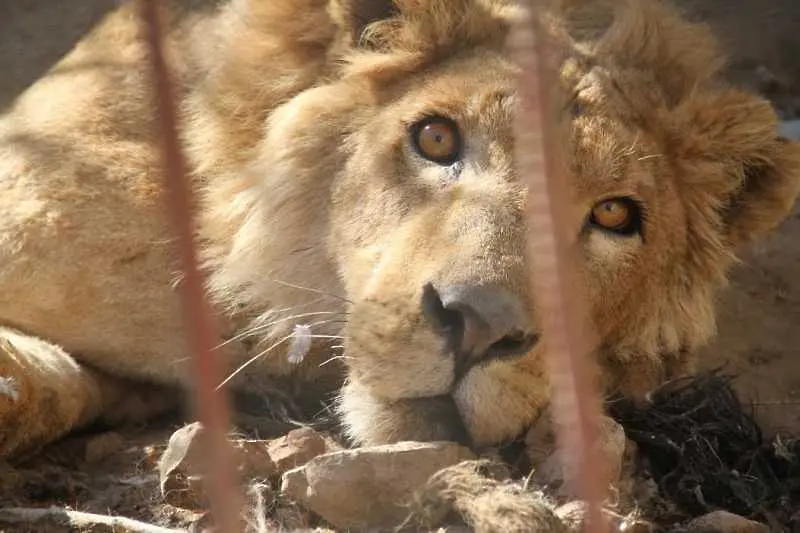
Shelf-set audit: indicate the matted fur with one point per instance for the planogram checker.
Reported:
(484, 503)
(315, 209)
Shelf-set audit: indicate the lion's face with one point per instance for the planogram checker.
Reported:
(442, 304)
(426, 222)
(438, 280)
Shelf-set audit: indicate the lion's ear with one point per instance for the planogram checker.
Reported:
(355, 15)
(768, 191)
(730, 141)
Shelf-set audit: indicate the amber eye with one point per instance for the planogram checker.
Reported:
(618, 215)
(437, 139)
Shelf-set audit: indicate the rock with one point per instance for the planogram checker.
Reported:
(102, 446)
(551, 471)
(369, 487)
(296, 448)
(332, 445)
(291, 518)
(181, 466)
(181, 478)
(252, 459)
(725, 522)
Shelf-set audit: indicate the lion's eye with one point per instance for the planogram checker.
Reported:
(437, 139)
(618, 215)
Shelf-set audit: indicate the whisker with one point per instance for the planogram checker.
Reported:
(321, 322)
(649, 156)
(309, 289)
(334, 358)
(326, 410)
(275, 345)
(254, 358)
(302, 339)
(261, 327)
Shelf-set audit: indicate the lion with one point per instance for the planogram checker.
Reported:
(353, 164)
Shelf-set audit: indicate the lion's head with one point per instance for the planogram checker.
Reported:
(386, 176)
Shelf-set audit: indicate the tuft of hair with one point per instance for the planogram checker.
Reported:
(416, 34)
(471, 491)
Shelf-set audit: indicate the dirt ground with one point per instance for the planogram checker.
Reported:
(759, 339)
(119, 478)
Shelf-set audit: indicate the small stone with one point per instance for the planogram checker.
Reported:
(725, 522)
(252, 459)
(181, 479)
(369, 487)
(181, 466)
(102, 446)
(296, 448)
(150, 456)
(551, 471)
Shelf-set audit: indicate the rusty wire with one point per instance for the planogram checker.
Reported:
(575, 405)
(210, 404)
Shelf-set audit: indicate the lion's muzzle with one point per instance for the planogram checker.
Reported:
(479, 323)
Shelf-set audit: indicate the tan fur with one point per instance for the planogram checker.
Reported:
(313, 203)
(486, 504)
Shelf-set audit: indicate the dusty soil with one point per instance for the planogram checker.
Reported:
(113, 473)
(118, 480)
(109, 473)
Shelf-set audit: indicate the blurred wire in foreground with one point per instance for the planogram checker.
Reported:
(574, 402)
(210, 404)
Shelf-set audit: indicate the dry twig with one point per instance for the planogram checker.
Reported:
(76, 520)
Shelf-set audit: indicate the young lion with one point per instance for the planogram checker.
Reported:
(354, 161)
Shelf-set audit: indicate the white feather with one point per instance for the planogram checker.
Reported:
(300, 343)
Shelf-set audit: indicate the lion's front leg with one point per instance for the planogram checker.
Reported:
(45, 393)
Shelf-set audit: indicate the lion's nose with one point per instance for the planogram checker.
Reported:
(479, 322)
